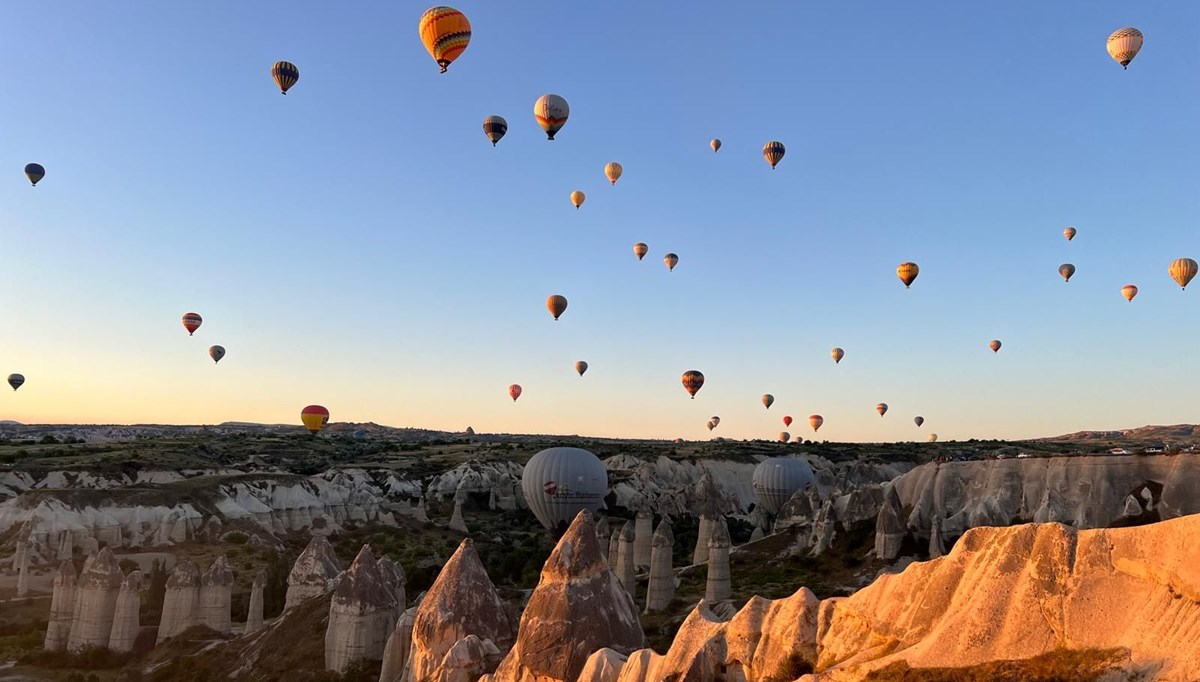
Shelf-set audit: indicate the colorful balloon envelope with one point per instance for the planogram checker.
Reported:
(671, 260)
(918, 421)
(581, 367)
(551, 112)
(768, 400)
(715, 144)
(558, 483)
(1129, 291)
(715, 420)
(514, 391)
(557, 305)
(815, 421)
(1067, 271)
(837, 354)
(1124, 44)
(787, 421)
(907, 272)
(578, 198)
(15, 380)
(994, 344)
(613, 172)
(711, 425)
(192, 322)
(285, 74)
(495, 127)
(640, 250)
(773, 152)
(446, 34)
(692, 381)
(1070, 233)
(784, 436)
(34, 172)
(216, 353)
(315, 418)
(1182, 270)
(881, 408)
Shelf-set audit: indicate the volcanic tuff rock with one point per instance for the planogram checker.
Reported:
(577, 608)
(395, 579)
(362, 613)
(603, 666)
(181, 602)
(643, 533)
(625, 569)
(889, 528)
(703, 535)
(95, 601)
(315, 572)
(461, 602)
(457, 524)
(717, 586)
(126, 619)
(661, 588)
(254, 612)
(216, 592)
(62, 607)
(395, 654)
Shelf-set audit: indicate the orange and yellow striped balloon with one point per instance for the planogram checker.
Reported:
(1182, 270)
(773, 152)
(446, 33)
(1129, 291)
(1124, 44)
(907, 272)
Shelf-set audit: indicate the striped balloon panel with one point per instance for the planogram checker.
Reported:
(558, 483)
(285, 74)
(494, 127)
(1124, 44)
(446, 33)
(551, 112)
(776, 480)
(773, 152)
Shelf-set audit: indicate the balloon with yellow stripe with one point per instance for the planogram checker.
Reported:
(446, 34)
(315, 417)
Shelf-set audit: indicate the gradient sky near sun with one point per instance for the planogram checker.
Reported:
(360, 244)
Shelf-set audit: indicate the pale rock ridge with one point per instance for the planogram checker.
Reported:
(395, 579)
(717, 587)
(396, 652)
(126, 619)
(614, 548)
(181, 602)
(216, 594)
(462, 602)
(578, 607)
(626, 571)
(362, 613)
(824, 528)
(641, 666)
(757, 534)
(62, 607)
(797, 511)
(254, 612)
(457, 524)
(703, 535)
(603, 533)
(643, 532)
(603, 666)
(937, 544)
(889, 528)
(420, 513)
(95, 601)
(21, 566)
(314, 573)
(661, 588)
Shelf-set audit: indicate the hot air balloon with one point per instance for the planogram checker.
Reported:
(285, 74)
(711, 425)
(907, 272)
(495, 127)
(613, 172)
(192, 322)
(445, 32)
(557, 305)
(1182, 271)
(881, 408)
(1123, 45)
(715, 420)
(933, 438)
(671, 260)
(640, 250)
(994, 344)
(1129, 291)
(216, 353)
(918, 421)
(768, 400)
(1070, 233)
(578, 198)
(514, 391)
(558, 483)
(315, 418)
(1066, 270)
(34, 172)
(581, 367)
(815, 421)
(15, 380)
(784, 436)
(551, 112)
(773, 152)
(837, 354)
(715, 144)
(776, 480)
(692, 381)
(787, 421)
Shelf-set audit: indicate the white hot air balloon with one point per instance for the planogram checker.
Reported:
(775, 481)
(559, 482)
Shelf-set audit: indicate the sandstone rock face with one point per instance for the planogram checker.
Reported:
(703, 535)
(126, 618)
(457, 524)
(315, 572)
(643, 532)
(626, 570)
(394, 575)
(603, 533)
(661, 588)
(717, 587)
(614, 549)
(603, 666)
(889, 527)
(21, 566)
(577, 608)
(216, 592)
(462, 602)
(181, 602)
(254, 612)
(62, 607)
(642, 666)
(395, 654)
(362, 613)
(95, 601)
(937, 545)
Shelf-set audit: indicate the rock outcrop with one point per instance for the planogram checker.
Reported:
(703, 535)
(216, 595)
(457, 524)
(362, 613)
(126, 618)
(254, 612)
(577, 608)
(461, 603)
(937, 544)
(661, 588)
(614, 548)
(626, 570)
(717, 588)
(181, 602)
(62, 607)
(314, 573)
(95, 601)
(889, 527)
(395, 654)
(394, 576)
(603, 666)
(21, 566)
(643, 531)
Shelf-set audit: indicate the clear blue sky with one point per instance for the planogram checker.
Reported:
(360, 244)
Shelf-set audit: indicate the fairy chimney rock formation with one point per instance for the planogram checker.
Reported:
(889, 527)
(216, 592)
(578, 607)
(394, 575)
(395, 654)
(643, 539)
(62, 607)
(126, 618)
(254, 613)
(362, 613)
(937, 543)
(21, 566)
(661, 589)
(95, 601)
(603, 534)
(717, 588)
(457, 524)
(314, 573)
(181, 602)
(462, 602)
(703, 535)
(420, 513)
(626, 570)
(614, 548)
